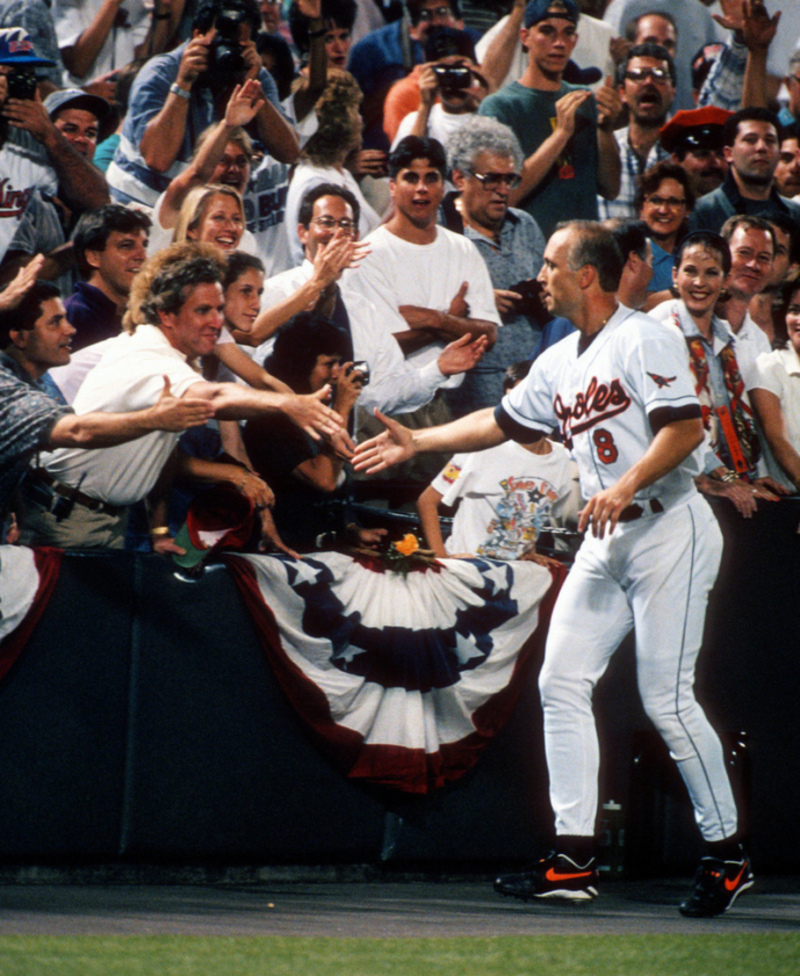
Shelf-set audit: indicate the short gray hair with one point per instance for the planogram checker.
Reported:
(482, 135)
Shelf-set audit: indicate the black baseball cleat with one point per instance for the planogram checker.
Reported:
(555, 876)
(717, 885)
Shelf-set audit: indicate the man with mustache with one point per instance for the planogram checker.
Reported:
(646, 85)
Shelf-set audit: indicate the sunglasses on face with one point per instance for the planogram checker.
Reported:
(491, 181)
(642, 74)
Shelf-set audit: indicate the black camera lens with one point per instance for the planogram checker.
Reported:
(227, 49)
(22, 84)
(452, 77)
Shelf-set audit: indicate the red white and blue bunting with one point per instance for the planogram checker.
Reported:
(402, 679)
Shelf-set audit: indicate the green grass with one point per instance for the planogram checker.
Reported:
(611, 955)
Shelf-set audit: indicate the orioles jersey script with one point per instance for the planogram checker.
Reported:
(601, 399)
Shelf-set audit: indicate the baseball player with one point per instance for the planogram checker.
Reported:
(620, 393)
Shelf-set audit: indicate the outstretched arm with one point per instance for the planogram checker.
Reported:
(107, 429)
(397, 443)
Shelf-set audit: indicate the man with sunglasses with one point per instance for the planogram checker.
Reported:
(646, 85)
(485, 161)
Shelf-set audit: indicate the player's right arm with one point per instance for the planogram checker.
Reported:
(397, 443)
(90, 430)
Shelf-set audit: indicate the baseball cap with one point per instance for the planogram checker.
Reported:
(538, 10)
(444, 42)
(574, 75)
(75, 98)
(696, 128)
(16, 47)
(220, 518)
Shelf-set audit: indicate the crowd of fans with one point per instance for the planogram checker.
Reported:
(264, 221)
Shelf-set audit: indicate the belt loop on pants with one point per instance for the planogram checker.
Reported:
(651, 506)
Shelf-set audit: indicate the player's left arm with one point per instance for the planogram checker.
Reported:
(673, 443)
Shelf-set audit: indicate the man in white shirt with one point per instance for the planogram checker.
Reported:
(185, 302)
(436, 280)
(329, 213)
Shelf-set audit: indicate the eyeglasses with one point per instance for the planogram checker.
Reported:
(428, 14)
(672, 202)
(329, 223)
(642, 74)
(491, 181)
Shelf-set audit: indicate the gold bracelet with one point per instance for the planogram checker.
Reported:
(160, 530)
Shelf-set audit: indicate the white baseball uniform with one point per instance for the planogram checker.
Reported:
(653, 573)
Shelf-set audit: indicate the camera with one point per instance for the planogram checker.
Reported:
(361, 366)
(226, 49)
(22, 84)
(452, 78)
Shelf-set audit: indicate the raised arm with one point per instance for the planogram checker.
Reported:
(80, 182)
(240, 110)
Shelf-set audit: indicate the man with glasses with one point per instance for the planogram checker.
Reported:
(646, 85)
(566, 132)
(751, 140)
(485, 161)
(328, 224)
(790, 114)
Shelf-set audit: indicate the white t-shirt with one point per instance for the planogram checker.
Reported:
(72, 17)
(394, 386)
(507, 496)
(129, 376)
(778, 372)
(441, 124)
(397, 273)
(23, 169)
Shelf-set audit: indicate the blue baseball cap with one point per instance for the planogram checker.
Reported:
(16, 47)
(538, 10)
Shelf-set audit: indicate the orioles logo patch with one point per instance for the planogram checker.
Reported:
(661, 381)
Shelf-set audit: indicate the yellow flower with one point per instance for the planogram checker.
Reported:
(407, 545)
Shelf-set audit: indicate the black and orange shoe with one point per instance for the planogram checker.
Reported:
(555, 876)
(717, 885)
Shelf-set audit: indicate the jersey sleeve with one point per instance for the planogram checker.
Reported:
(659, 368)
(527, 409)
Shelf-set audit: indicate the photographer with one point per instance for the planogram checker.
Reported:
(37, 163)
(178, 95)
(448, 88)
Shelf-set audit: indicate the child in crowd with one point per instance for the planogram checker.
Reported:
(508, 495)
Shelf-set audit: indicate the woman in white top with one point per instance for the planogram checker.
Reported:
(324, 155)
(776, 398)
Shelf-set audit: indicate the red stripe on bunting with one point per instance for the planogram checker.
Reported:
(48, 565)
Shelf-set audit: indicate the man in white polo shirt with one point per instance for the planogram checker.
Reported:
(185, 301)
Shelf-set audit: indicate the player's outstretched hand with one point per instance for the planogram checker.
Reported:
(311, 414)
(393, 446)
(177, 413)
(603, 510)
